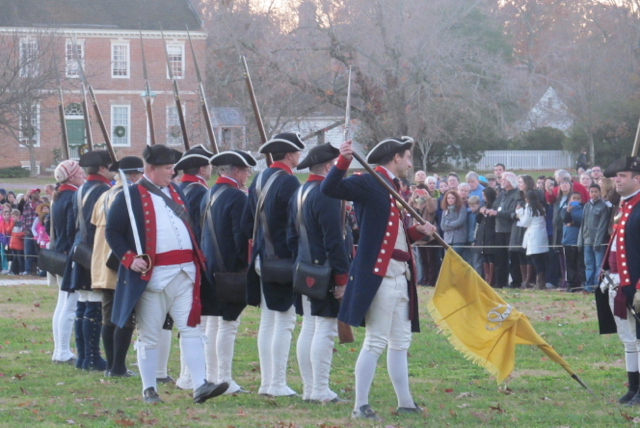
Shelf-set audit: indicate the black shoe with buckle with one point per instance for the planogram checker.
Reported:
(209, 390)
(409, 410)
(167, 379)
(151, 396)
(365, 412)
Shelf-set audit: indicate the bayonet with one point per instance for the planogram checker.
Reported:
(203, 99)
(256, 109)
(147, 93)
(347, 117)
(63, 122)
(176, 95)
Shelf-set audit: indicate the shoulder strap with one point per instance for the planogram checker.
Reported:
(303, 242)
(262, 217)
(209, 219)
(178, 209)
(80, 221)
(192, 186)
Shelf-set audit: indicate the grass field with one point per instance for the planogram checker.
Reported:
(453, 392)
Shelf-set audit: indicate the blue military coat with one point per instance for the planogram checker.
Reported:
(194, 189)
(378, 218)
(119, 235)
(64, 219)
(75, 276)
(278, 297)
(324, 222)
(226, 214)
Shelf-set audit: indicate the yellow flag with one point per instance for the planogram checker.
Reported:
(478, 323)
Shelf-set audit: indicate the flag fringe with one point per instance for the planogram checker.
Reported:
(459, 346)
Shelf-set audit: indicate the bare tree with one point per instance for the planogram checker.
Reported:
(26, 76)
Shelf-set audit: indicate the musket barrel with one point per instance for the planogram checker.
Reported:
(63, 121)
(256, 109)
(176, 95)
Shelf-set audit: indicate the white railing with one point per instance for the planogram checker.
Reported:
(524, 160)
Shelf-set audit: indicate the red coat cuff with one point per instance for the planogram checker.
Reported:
(341, 279)
(414, 235)
(343, 163)
(128, 258)
(638, 285)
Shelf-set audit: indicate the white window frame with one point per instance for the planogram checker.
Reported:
(35, 122)
(127, 59)
(71, 67)
(115, 122)
(33, 68)
(179, 64)
(174, 120)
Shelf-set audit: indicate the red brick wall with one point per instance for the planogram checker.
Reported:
(123, 91)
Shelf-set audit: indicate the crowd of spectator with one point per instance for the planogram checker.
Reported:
(23, 230)
(518, 231)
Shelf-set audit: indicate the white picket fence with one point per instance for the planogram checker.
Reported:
(524, 160)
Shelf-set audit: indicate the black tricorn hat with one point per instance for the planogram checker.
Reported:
(319, 154)
(195, 157)
(233, 157)
(160, 154)
(625, 163)
(388, 146)
(95, 158)
(283, 143)
(128, 164)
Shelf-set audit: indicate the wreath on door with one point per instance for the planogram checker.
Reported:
(119, 131)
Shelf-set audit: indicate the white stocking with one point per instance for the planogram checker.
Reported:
(265, 337)
(365, 371)
(227, 331)
(303, 348)
(321, 354)
(164, 350)
(281, 342)
(397, 367)
(211, 326)
(148, 365)
(65, 321)
(194, 359)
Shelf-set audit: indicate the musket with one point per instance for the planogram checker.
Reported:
(256, 110)
(63, 122)
(176, 95)
(203, 100)
(147, 94)
(83, 93)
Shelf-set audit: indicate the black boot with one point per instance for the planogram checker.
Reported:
(92, 327)
(121, 343)
(79, 332)
(632, 396)
(107, 342)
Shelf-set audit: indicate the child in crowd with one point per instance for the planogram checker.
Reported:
(572, 219)
(6, 226)
(474, 255)
(593, 236)
(535, 241)
(16, 244)
(39, 230)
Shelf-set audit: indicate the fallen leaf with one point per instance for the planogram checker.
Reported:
(497, 408)
(37, 305)
(448, 390)
(124, 422)
(18, 376)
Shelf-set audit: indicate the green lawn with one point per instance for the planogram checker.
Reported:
(453, 392)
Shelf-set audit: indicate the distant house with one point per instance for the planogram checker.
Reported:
(548, 111)
(230, 127)
(108, 39)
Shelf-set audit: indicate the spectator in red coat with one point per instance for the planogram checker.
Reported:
(551, 195)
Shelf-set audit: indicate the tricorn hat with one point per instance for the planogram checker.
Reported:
(195, 157)
(233, 157)
(285, 142)
(128, 164)
(319, 154)
(95, 158)
(389, 146)
(160, 154)
(625, 163)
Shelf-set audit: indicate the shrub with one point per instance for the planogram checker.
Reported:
(14, 172)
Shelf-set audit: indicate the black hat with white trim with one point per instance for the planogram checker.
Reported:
(286, 142)
(389, 146)
(95, 158)
(625, 163)
(319, 154)
(237, 158)
(160, 154)
(195, 157)
(128, 164)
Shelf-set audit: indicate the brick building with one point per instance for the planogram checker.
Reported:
(107, 35)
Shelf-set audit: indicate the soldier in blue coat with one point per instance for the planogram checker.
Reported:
(225, 247)
(88, 322)
(325, 243)
(159, 270)
(618, 290)
(196, 171)
(381, 291)
(268, 227)
(69, 176)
